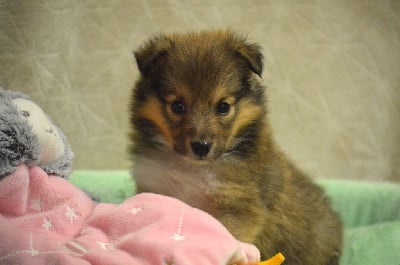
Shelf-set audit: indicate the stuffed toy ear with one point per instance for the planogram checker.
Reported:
(150, 56)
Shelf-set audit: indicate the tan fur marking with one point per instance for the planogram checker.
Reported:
(151, 110)
(221, 93)
(171, 98)
(218, 94)
(247, 112)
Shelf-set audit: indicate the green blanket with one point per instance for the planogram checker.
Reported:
(370, 212)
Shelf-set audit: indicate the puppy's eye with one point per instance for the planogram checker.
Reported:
(177, 107)
(223, 108)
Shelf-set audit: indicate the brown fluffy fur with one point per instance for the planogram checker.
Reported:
(244, 180)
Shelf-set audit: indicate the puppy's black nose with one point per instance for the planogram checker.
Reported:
(201, 148)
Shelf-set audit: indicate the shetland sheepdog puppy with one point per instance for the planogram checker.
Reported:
(201, 134)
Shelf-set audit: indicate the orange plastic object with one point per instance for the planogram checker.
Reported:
(275, 260)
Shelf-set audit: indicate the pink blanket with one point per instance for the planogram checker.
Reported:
(44, 219)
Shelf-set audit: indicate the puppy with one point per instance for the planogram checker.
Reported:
(200, 134)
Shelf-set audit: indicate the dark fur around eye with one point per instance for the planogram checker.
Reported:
(223, 108)
(178, 107)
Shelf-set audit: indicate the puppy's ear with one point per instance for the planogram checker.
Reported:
(151, 55)
(252, 54)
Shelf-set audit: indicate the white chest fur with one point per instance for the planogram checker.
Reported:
(193, 184)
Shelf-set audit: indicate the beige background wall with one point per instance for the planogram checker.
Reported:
(332, 69)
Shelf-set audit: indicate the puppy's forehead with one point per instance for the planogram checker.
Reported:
(204, 40)
(202, 50)
(203, 65)
(203, 85)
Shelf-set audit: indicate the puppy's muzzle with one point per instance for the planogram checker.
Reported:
(201, 148)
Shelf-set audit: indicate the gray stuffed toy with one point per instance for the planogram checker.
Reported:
(27, 135)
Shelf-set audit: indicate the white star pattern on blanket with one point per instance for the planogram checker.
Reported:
(135, 210)
(47, 224)
(36, 204)
(177, 236)
(30, 251)
(70, 214)
(106, 246)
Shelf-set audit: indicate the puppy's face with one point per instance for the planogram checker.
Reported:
(198, 95)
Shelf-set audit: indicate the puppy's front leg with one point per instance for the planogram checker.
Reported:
(239, 210)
